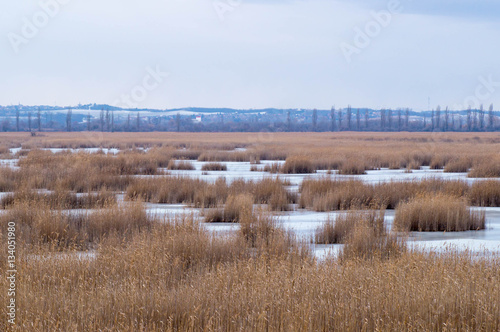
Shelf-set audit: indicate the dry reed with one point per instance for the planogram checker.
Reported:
(297, 165)
(180, 165)
(437, 213)
(214, 167)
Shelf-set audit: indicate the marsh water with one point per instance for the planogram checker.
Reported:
(305, 222)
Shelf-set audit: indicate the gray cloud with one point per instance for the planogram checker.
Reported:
(263, 54)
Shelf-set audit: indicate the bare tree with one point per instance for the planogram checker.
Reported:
(17, 118)
(389, 116)
(469, 119)
(438, 118)
(101, 118)
(138, 120)
(178, 122)
(366, 119)
(48, 119)
(314, 119)
(29, 121)
(481, 118)
(358, 120)
(400, 119)
(349, 117)
(474, 119)
(446, 118)
(288, 122)
(491, 117)
(382, 120)
(39, 119)
(108, 120)
(88, 122)
(128, 122)
(433, 120)
(407, 118)
(340, 119)
(68, 119)
(332, 118)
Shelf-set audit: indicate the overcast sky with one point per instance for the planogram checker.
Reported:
(251, 54)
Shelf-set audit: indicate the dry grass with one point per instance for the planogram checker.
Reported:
(7, 179)
(459, 165)
(214, 167)
(37, 224)
(143, 275)
(439, 161)
(199, 193)
(224, 156)
(177, 277)
(272, 192)
(175, 190)
(255, 168)
(180, 165)
(437, 213)
(60, 199)
(338, 230)
(4, 149)
(330, 194)
(234, 209)
(367, 241)
(489, 168)
(272, 168)
(324, 150)
(297, 165)
(352, 167)
(485, 193)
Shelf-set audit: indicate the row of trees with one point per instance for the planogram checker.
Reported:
(389, 120)
(337, 120)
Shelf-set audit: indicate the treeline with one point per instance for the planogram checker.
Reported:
(348, 119)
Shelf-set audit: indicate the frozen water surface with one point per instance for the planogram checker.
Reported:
(241, 170)
(304, 224)
(11, 163)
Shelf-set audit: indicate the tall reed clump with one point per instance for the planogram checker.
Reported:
(264, 236)
(212, 166)
(437, 213)
(37, 224)
(298, 165)
(352, 167)
(439, 161)
(458, 165)
(272, 192)
(485, 193)
(486, 169)
(8, 179)
(4, 150)
(177, 189)
(61, 199)
(213, 156)
(330, 194)
(235, 207)
(368, 242)
(272, 168)
(339, 229)
(180, 165)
